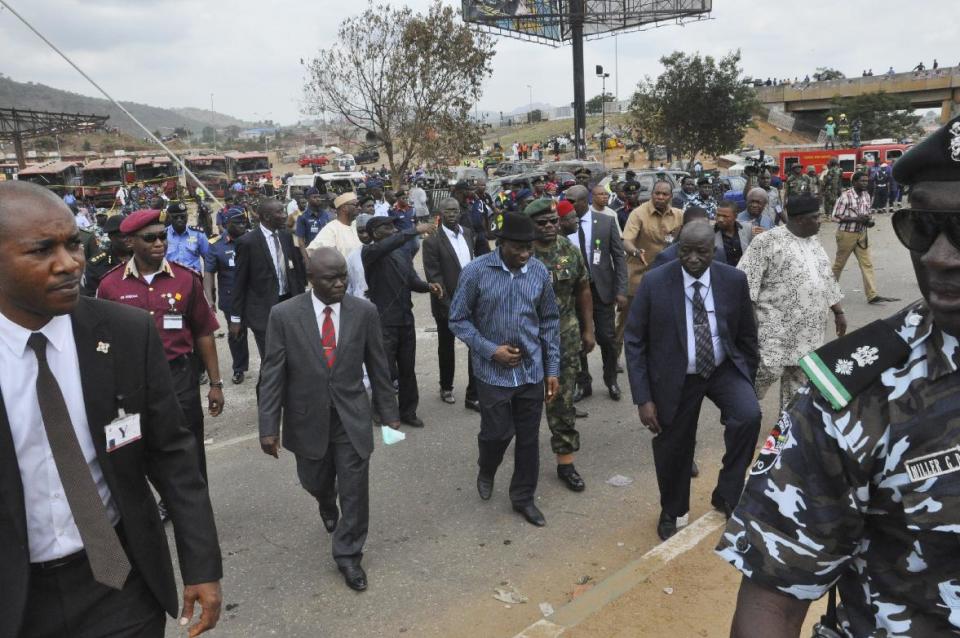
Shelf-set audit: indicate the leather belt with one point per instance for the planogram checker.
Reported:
(59, 562)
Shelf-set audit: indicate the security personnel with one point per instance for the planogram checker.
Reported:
(859, 483)
(571, 285)
(185, 246)
(115, 252)
(704, 198)
(173, 294)
(631, 194)
(797, 183)
(814, 181)
(831, 185)
(221, 263)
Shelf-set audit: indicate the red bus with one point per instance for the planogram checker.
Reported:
(214, 171)
(102, 178)
(159, 171)
(252, 166)
(848, 158)
(56, 175)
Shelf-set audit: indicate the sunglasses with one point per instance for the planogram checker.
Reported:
(917, 229)
(153, 237)
(547, 221)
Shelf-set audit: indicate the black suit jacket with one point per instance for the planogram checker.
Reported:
(132, 374)
(441, 266)
(255, 288)
(655, 337)
(297, 387)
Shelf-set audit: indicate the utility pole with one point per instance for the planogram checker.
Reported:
(603, 113)
(579, 99)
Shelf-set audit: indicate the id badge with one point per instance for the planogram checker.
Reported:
(596, 258)
(779, 208)
(122, 430)
(231, 263)
(290, 264)
(172, 322)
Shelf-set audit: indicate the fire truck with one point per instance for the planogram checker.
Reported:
(848, 158)
(158, 171)
(102, 178)
(58, 176)
(214, 171)
(252, 166)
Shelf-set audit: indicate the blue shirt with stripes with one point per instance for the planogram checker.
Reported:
(494, 306)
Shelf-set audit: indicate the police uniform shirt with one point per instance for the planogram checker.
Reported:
(188, 248)
(868, 494)
(222, 262)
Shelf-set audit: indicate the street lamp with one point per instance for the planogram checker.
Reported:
(603, 113)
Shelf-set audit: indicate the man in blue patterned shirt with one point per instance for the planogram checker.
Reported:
(506, 312)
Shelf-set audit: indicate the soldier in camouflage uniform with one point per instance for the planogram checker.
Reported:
(831, 186)
(859, 483)
(797, 182)
(571, 285)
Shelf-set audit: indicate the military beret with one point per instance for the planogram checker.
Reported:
(564, 207)
(803, 204)
(935, 159)
(140, 219)
(540, 206)
(704, 181)
(112, 225)
(380, 220)
(312, 191)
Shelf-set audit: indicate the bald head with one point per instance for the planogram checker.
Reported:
(23, 203)
(272, 213)
(696, 247)
(696, 230)
(578, 192)
(327, 272)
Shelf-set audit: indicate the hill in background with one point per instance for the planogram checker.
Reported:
(39, 97)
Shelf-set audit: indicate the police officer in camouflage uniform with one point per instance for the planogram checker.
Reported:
(797, 183)
(831, 186)
(571, 285)
(859, 483)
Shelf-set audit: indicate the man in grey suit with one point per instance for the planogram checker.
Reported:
(598, 237)
(312, 379)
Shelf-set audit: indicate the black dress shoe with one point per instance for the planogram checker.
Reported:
(447, 396)
(666, 526)
(354, 576)
(721, 505)
(330, 520)
(694, 470)
(577, 393)
(615, 392)
(413, 421)
(471, 404)
(237, 378)
(484, 486)
(570, 477)
(530, 512)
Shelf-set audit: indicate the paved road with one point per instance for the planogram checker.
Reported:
(435, 552)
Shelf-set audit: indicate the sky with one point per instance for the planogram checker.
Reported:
(176, 53)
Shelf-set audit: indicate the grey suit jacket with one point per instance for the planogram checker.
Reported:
(609, 277)
(746, 236)
(297, 387)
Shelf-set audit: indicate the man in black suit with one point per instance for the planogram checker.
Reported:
(598, 238)
(311, 380)
(445, 253)
(269, 270)
(88, 415)
(691, 334)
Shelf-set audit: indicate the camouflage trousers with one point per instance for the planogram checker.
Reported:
(791, 379)
(561, 413)
(829, 201)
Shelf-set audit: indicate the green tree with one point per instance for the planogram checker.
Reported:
(825, 73)
(593, 104)
(182, 133)
(882, 115)
(397, 75)
(697, 105)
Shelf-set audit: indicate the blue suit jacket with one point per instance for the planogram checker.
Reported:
(656, 333)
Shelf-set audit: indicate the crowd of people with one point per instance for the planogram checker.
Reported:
(686, 295)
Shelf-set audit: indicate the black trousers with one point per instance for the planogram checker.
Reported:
(239, 348)
(185, 371)
(260, 336)
(604, 325)
(447, 357)
(67, 602)
(507, 413)
(673, 448)
(400, 344)
(341, 470)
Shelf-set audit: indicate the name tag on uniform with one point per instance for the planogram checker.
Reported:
(779, 208)
(172, 322)
(596, 258)
(290, 264)
(123, 430)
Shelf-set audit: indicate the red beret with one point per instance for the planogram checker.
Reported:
(140, 219)
(564, 207)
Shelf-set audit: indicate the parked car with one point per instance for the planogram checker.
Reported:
(367, 155)
(317, 160)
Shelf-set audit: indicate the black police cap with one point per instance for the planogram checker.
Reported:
(935, 159)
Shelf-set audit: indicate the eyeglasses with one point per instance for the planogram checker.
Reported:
(547, 221)
(917, 229)
(153, 237)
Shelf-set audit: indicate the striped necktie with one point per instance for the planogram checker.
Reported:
(328, 335)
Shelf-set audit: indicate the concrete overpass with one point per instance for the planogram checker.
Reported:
(938, 88)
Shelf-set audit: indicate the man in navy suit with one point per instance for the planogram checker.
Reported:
(691, 334)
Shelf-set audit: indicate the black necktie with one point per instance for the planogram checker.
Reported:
(703, 340)
(583, 244)
(108, 561)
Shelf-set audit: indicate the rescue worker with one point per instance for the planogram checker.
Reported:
(571, 286)
(857, 484)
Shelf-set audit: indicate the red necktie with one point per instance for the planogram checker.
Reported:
(329, 337)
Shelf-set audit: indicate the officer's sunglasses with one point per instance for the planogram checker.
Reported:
(917, 229)
(153, 237)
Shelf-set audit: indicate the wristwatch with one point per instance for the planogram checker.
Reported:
(217, 384)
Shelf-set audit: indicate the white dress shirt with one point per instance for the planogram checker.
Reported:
(51, 530)
(459, 245)
(706, 292)
(356, 278)
(318, 308)
(268, 235)
(586, 223)
(381, 208)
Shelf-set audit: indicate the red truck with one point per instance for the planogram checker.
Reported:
(214, 171)
(313, 159)
(848, 158)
